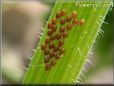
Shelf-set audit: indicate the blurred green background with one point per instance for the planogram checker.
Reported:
(21, 23)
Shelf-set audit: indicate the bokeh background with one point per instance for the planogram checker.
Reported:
(21, 23)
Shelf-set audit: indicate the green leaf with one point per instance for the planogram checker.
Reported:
(77, 45)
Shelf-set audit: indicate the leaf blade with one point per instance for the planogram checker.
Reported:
(56, 75)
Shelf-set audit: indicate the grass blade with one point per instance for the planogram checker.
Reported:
(77, 45)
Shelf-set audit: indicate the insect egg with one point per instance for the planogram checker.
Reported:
(53, 28)
(57, 56)
(47, 67)
(54, 21)
(46, 51)
(51, 45)
(68, 18)
(49, 25)
(60, 43)
(47, 40)
(49, 33)
(82, 21)
(62, 21)
(55, 48)
(58, 36)
(63, 12)
(53, 37)
(53, 62)
(65, 34)
(69, 27)
(75, 22)
(61, 50)
(58, 15)
(74, 14)
(43, 46)
(51, 53)
(46, 59)
(62, 29)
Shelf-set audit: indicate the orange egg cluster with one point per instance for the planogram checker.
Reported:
(58, 29)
